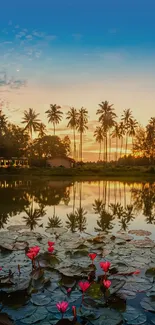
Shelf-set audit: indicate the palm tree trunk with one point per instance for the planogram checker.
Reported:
(74, 144)
(100, 152)
(121, 147)
(106, 148)
(126, 145)
(81, 144)
(116, 147)
(54, 127)
(109, 147)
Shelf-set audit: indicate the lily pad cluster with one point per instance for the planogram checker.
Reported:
(109, 279)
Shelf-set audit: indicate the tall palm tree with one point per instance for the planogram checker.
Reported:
(126, 118)
(72, 116)
(107, 117)
(117, 135)
(41, 130)
(132, 129)
(54, 115)
(31, 121)
(82, 125)
(99, 135)
(122, 133)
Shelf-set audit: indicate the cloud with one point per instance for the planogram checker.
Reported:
(10, 83)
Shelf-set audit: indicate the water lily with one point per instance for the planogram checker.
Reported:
(84, 285)
(50, 249)
(62, 307)
(51, 243)
(107, 283)
(35, 249)
(105, 266)
(31, 255)
(92, 256)
(0, 268)
(69, 290)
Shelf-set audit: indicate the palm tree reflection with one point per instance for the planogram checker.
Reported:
(4, 218)
(54, 222)
(34, 215)
(72, 222)
(144, 200)
(104, 221)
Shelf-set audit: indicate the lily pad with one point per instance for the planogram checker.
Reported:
(148, 303)
(37, 316)
(40, 300)
(20, 313)
(140, 232)
(134, 316)
(108, 317)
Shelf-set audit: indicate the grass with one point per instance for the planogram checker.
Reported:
(124, 172)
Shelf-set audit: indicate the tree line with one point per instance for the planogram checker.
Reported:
(19, 139)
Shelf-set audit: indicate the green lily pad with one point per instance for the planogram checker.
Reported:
(148, 303)
(37, 316)
(108, 317)
(20, 313)
(134, 316)
(40, 300)
(94, 291)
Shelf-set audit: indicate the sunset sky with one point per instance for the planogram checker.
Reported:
(77, 53)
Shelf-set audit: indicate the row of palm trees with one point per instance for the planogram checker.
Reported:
(77, 120)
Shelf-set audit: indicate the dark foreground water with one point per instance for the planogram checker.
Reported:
(113, 219)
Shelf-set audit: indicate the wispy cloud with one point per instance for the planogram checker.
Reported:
(10, 83)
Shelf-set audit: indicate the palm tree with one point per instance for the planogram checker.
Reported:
(41, 130)
(3, 123)
(81, 219)
(98, 206)
(122, 133)
(126, 118)
(99, 135)
(132, 129)
(82, 125)
(72, 116)
(54, 115)
(31, 121)
(117, 135)
(107, 117)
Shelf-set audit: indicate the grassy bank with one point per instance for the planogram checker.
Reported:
(95, 172)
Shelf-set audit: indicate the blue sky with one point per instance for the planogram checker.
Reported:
(79, 53)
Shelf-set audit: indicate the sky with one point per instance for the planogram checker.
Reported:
(77, 53)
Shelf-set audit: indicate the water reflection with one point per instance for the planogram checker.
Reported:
(80, 206)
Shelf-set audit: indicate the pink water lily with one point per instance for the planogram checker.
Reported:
(50, 249)
(35, 249)
(107, 284)
(51, 243)
(84, 285)
(0, 268)
(92, 256)
(62, 306)
(105, 266)
(69, 290)
(31, 255)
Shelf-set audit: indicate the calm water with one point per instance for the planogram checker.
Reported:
(110, 206)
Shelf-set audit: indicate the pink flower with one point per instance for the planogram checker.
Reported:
(62, 306)
(107, 283)
(34, 249)
(92, 256)
(31, 255)
(69, 290)
(51, 243)
(50, 249)
(105, 266)
(0, 268)
(84, 285)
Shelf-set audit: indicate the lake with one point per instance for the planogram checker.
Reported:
(111, 220)
(44, 204)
